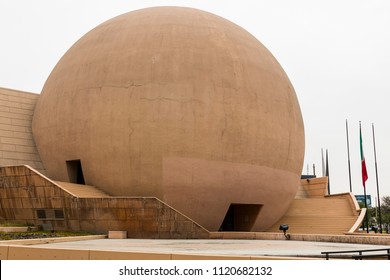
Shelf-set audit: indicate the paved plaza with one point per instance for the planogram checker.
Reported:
(213, 247)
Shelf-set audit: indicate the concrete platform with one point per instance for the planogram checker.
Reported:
(219, 246)
(213, 247)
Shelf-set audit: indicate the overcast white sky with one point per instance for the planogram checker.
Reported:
(336, 54)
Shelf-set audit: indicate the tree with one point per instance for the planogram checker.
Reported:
(385, 210)
(370, 216)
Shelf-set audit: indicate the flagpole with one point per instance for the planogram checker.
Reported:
(323, 163)
(349, 160)
(365, 205)
(327, 171)
(377, 184)
(364, 172)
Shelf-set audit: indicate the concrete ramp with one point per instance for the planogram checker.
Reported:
(82, 191)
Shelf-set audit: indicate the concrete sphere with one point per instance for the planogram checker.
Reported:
(178, 104)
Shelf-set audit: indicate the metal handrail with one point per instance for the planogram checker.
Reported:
(360, 252)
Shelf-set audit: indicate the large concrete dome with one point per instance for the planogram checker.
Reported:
(179, 104)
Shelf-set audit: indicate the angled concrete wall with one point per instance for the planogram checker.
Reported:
(28, 197)
(17, 145)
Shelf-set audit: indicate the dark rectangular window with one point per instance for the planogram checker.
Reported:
(41, 213)
(50, 214)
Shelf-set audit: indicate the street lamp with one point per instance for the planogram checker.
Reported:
(284, 228)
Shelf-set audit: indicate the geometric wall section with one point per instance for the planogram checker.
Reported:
(27, 197)
(17, 145)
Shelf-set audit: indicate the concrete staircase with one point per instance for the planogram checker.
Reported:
(82, 191)
(327, 215)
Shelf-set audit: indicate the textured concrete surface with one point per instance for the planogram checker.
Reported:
(213, 247)
(178, 104)
(25, 194)
(17, 145)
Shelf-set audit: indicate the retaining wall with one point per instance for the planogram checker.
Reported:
(28, 197)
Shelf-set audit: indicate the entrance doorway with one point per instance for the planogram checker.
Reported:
(240, 217)
(75, 172)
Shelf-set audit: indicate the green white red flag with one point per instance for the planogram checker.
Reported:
(363, 160)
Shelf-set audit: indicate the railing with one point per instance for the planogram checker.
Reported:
(360, 254)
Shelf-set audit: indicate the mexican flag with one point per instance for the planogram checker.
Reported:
(363, 160)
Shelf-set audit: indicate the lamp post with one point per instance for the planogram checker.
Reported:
(284, 228)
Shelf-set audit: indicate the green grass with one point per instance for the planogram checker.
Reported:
(39, 234)
(13, 224)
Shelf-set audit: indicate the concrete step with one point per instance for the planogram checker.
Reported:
(326, 215)
(316, 207)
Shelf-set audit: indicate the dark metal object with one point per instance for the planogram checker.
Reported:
(377, 184)
(360, 255)
(284, 228)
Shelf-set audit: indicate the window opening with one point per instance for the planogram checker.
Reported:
(75, 172)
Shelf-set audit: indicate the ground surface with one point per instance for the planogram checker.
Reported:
(214, 246)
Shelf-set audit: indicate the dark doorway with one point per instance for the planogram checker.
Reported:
(75, 172)
(240, 217)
